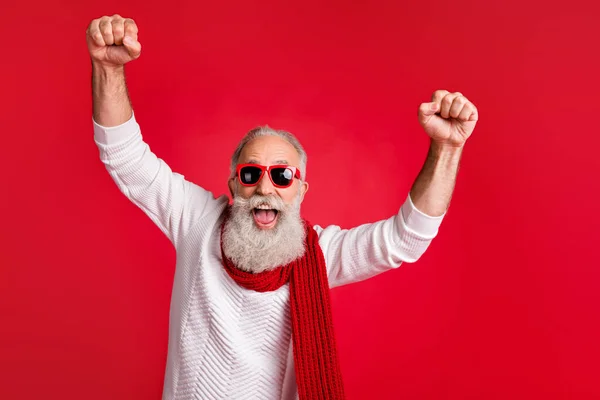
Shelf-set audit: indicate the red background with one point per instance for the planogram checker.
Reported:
(504, 304)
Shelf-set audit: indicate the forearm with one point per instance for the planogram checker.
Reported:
(111, 104)
(432, 190)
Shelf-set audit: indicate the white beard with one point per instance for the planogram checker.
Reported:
(255, 250)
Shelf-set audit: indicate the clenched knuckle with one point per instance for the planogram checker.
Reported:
(131, 27)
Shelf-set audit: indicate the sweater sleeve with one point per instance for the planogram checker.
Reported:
(353, 255)
(173, 203)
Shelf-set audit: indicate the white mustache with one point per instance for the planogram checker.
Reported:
(273, 202)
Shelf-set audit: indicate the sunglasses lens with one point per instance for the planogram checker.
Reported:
(250, 175)
(282, 176)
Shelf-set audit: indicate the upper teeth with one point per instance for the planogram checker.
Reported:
(264, 207)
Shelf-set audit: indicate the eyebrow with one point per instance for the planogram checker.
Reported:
(253, 161)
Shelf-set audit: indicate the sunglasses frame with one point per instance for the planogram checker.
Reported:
(263, 168)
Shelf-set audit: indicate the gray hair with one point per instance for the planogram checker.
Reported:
(267, 131)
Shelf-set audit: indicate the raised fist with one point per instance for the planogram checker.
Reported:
(113, 41)
(449, 119)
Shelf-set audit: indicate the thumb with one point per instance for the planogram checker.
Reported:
(133, 47)
(427, 110)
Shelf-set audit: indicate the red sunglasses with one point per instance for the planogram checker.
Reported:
(281, 176)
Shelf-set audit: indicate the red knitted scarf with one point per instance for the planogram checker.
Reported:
(318, 374)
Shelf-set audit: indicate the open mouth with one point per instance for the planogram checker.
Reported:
(264, 217)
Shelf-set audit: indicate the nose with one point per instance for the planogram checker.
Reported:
(265, 186)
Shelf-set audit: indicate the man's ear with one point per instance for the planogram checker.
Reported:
(231, 185)
(303, 189)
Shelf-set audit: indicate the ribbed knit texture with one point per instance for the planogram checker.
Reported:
(225, 341)
(318, 373)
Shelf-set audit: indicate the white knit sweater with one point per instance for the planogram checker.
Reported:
(227, 342)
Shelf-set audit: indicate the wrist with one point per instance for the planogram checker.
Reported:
(437, 149)
(444, 156)
(103, 69)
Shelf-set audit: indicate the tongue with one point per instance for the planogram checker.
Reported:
(264, 216)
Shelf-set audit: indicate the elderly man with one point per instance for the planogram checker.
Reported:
(250, 313)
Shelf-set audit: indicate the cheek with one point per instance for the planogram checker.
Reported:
(289, 195)
(246, 191)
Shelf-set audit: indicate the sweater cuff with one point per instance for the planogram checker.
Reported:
(418, 222)
(115, 134)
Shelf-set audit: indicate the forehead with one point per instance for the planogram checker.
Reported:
(269, 150)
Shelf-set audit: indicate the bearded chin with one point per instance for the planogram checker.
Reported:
(256, 250)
